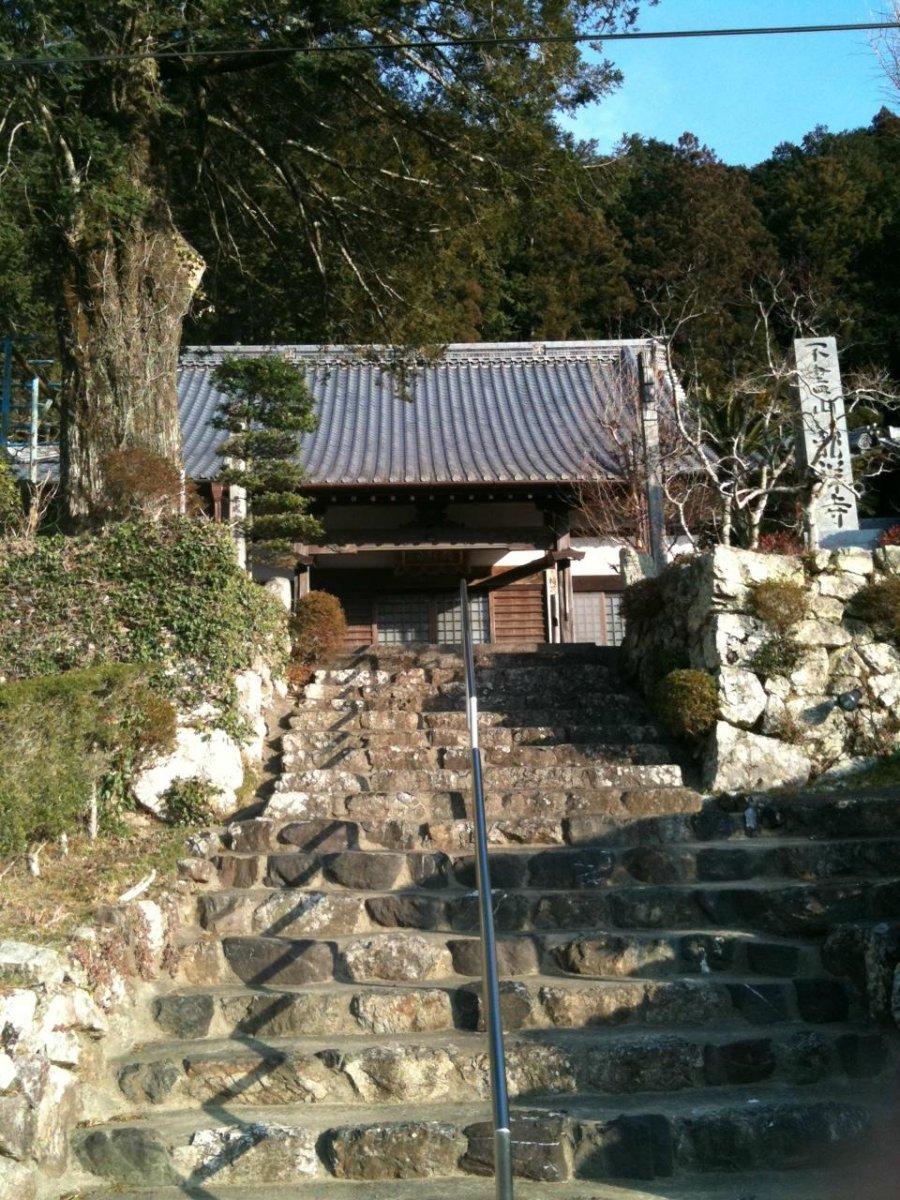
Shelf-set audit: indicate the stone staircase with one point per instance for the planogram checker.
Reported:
(670, 1025)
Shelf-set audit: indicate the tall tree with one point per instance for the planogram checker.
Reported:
(368, 149)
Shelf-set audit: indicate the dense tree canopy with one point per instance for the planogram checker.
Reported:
(413, 194)
(202, 140)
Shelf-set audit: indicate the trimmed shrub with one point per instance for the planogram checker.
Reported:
(65, 738)
(11, 511)
(878, 604)
(779, 603)
(189, 801)
(778, 656)
(688, 702)
(166, 594)
(318, 629)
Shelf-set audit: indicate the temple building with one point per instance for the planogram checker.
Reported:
(473, 462)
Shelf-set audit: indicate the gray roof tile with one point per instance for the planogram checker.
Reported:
(477, 413)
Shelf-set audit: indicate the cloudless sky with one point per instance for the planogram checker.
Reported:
(743, 96)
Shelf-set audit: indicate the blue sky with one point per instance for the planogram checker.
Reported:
(742, 96)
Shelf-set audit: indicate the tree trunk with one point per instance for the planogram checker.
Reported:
(125, 293)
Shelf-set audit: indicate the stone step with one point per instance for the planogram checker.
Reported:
(783, 908)
(429, 1069)
(622, 1138)
(817, 1184)
(390, 1003)
(521, 707)
(569, 867)
(573, 684)
(616, 711)
(410, 958)
(610, 805)
(360, 757)
(276, 832)
(414, 780)
(493, 737)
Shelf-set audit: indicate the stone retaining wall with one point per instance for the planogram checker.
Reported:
(786, 726)
(63, 1016)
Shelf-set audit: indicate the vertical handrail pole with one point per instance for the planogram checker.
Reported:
(34, 429)
(490, 980)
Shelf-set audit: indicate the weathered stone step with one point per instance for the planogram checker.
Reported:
(430, 1069)
(805, 909)
(496, 737)
(524, 708)
(625, 1138)
(392, 1004)
(572, 993)
(614, 821)
(793, 1185)
(568, 867)
(345, 756)
(413, 780)
(614, 805)
(576, 682)
(621, 711)
(403, 957)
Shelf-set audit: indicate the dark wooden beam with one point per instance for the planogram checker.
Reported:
(492, 583)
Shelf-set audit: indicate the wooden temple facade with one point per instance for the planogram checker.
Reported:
(468, 464)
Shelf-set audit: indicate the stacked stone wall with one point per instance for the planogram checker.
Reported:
(834, 707)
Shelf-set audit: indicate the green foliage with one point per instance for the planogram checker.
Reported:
(11, 511)
(66, 737)
(268, 406)
(688, 702)
(318, 629)
(189, 801)
(167, 595)
(779, 603)
(878, 604)
(777, 656)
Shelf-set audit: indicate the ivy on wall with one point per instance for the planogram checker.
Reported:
(164, 594)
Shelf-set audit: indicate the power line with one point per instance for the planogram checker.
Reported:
(448, 44)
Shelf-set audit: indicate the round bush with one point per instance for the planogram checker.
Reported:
(688, 702)
(779, 603)
(318, 628)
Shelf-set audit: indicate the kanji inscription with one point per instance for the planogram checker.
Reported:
(825, 445)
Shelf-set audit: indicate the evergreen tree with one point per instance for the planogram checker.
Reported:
(268, 406)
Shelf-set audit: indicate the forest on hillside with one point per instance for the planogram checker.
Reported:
(395, 171)
(584, 246)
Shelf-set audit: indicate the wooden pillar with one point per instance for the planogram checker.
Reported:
(565, 591)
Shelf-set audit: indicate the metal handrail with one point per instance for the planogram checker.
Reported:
(490, 980)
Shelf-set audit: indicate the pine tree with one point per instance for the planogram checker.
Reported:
(268, 406)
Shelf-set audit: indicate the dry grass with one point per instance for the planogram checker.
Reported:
(71, 887)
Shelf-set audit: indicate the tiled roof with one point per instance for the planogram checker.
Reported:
(477, 413)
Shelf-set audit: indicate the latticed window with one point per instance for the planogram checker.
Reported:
(598, 618)
(407, 618)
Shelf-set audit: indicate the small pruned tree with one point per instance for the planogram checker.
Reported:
(268, 406)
